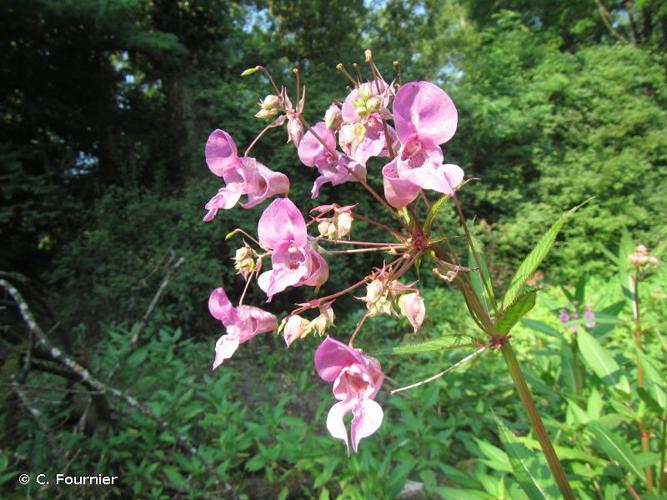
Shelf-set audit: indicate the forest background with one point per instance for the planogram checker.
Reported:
(105, 108)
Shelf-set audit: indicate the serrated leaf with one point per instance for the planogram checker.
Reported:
(515, 312)
(615, 447)
(175, 476)
(440, 344)
(530, 469)
(534, 259)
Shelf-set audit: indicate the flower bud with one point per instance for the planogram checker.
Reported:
(322, 323)
(641, 257)
(344, 224)
(244, 261)
(412, 307)
(269, 107)
(327, 229)
(333, 117)
(295, 131)
(295, 328)
(374, 290)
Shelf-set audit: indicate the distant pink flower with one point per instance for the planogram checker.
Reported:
(356, 381)
(295, 262)
(242, 324)
(334, 167)
(242, 176)
(425, 117)
(563, 316)
(590, 315)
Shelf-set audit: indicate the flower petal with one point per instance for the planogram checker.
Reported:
(221, 308)
(220, 152)
(281, 222)
(425, 109)
(336, 422)
(311, 151)
(367, 419)
(267, 183)
(225, 347)
(332, 356)
(398, 192)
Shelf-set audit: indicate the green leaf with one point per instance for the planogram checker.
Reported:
(440, 344)
(646, 397)
(530, 469)
(515, 312)
(542, 327)
(480, 278)
(615, 447)
(175, 476)
(534, 259)
(435, 208)
(601, 361)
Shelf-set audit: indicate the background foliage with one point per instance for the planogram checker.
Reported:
(104, 110)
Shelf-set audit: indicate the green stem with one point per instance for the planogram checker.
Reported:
(536, 421)
(662, 477)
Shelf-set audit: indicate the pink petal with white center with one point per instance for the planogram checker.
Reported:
(424, 109)
(398, 192)
(367, 419)
(225, 348)
(220, 152)
(311, 151)
(281, 222)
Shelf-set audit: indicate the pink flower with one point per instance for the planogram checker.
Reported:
(412, 307)
(242, 176)
(242, 324)
(590, 316)
(563, 316)
(425, 117)
(334, 167)
(356, 381)
(295, 262)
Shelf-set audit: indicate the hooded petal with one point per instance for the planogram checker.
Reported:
(332, 356)
(281, 222)
(311, 151)
(424, 109)
(221, 308)
(220, 152)
(367, 419)
(398, 192)
(267, 183)
(319, 270)
(225, 347)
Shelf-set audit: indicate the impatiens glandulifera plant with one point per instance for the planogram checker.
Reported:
(404, 125)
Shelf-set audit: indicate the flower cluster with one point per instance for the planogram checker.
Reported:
(402, 125)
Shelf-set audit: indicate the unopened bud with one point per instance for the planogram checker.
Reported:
(327, 229)
(374, 291)
(333, 117)
(244, 261)
(344, 224)
(269, 107)
(295, 131)
(322, 323)
(412, 307)
(295, 328)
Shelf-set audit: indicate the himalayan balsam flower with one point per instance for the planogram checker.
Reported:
(425, 117)
(242, 176)
(295, 262)
(590, 316)
(295, 328)
(356, 381)
(242, 324)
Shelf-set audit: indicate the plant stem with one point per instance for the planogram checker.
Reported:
(662, 477)
(645, 434)
(536, 421)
